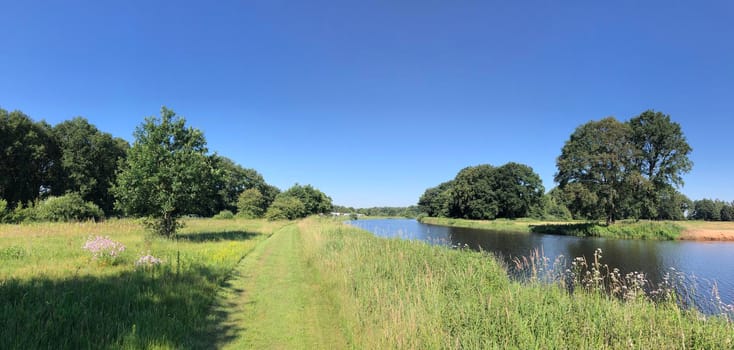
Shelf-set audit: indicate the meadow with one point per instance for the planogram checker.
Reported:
(312, 283)
(55, 295)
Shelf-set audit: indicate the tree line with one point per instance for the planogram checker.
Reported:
(74, 171)
(607, 170)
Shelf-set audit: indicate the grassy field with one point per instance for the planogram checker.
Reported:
(315, 283)
(55, 296)
(658, 230)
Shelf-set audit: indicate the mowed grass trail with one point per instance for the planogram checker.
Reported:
(276, 300)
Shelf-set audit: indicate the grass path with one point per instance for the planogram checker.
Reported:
(275, 301)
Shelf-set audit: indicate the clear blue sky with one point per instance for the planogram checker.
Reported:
(374, 101)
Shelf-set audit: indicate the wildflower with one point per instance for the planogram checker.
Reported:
(103, 247)
(148, 260)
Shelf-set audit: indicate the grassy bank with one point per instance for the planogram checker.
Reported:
(55, 296)
(658, 230)
(400, 294)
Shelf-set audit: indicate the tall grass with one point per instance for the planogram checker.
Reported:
(405, 294)
(54, 295)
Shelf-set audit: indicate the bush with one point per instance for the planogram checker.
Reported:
(3, 210)
(286, 207)
(224, 214)
(22, 213)
(69, 207)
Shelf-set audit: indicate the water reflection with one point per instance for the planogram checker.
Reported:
(705, 263)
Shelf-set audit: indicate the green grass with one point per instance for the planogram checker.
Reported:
(316, 283)
(55, 296)
(277, 300)
(658, 230)
(403, 294)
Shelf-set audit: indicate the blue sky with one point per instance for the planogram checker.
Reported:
(375, 101)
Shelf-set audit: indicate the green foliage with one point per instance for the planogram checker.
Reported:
(286, 207)
(518, 189)
(88, 161)
(625, 170)
(314, 201)
(251, 204)
(712, 210)
(599, 158)
(484, 192)
(27, 158)
(636, 230)
(69, 207)
(3, 211)
(435, 201)
(233, 180)
(167, 174)
(473, 194)
(224, 214)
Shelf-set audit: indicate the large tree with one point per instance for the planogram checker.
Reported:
(88, 161)
(167, 173)
(518, 189)
(28, 157)
(314, 201)
(599, 160)
(435, 201)
(662, 159)
(473, 195)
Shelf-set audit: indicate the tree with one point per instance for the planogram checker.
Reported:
(518, 189)
(233, 180)
(662, 156)
(251, 203)
(600, 158)
(473, 194)
(286, 207)
(706, 209)
(167, 173)
(88, 162)
(28, 157)
(435, 201)
(314, 201)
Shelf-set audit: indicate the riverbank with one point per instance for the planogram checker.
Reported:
(395, 293)
(658, 230)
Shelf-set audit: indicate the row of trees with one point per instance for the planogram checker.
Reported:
(167, 172)
(485, 192)
(712, 210)
(407, 212)
(607, 170)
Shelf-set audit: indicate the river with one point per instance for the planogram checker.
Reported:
(705, 264)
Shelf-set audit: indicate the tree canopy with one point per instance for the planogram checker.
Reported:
(88, 161)
(485, 192)
(627, 169)
(167, 173)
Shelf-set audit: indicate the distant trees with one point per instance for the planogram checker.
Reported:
(712, 210)
(28, 157)
(299, 201)
(611, 170)
(167, 173)
(251, 204)
(485, 192)
(88, 161)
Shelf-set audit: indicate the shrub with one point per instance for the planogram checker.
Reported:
(3, 210)
(69, 207)
(224, 214)
(22, 213)
(286, 207)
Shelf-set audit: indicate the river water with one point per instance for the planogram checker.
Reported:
(706, 265)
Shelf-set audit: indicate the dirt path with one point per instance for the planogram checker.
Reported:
(707, 235)
(274, 301)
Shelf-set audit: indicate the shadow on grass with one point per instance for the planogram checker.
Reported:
(587, 229)
(135, 309)
(217, 236)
